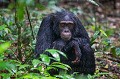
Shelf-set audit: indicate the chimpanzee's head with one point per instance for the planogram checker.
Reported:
(64, 25)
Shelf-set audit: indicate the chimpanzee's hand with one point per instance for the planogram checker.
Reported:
(75, 44)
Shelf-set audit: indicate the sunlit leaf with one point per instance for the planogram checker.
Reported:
(45, 59)
(103, 32)
(54, 53)
(4, 47)
(63, 54)
(60, 65)
(2, 27)
(35, 62)
(92, 1)
(7, 30)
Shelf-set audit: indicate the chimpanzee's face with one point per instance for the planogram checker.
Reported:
(66, 26)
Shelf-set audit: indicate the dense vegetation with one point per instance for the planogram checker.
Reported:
(19, 23)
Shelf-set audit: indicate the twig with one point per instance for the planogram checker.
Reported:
(28, 15)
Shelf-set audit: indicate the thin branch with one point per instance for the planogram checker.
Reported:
(28, 16)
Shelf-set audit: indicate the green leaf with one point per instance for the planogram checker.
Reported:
(2, 41)
(40, 6)
(67, 76)
(109, 32)
(45, 59)
(63, 54)
(51, 67)
(4, 47)
(31, 76)
(7, 66)
(5, 75)
(48, 77)
(7, 30)
(35, 62)
(92, 1)
(106, 41)
(23, 66)
(103, 32)
(60, 65)
(96, 35)
(54, 53)
(2, 27)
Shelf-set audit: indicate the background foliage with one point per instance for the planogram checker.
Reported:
(20, 21)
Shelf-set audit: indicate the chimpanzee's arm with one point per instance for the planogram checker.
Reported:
(58, 44)
(74, 44)
(87, 55)
(81, 47)
(77, 52)
(45, 36)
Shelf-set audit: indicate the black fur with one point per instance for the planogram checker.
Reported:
(49, 34)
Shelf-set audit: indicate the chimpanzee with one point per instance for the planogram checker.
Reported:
(64, 31)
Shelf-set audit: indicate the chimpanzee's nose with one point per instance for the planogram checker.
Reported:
(66, 31)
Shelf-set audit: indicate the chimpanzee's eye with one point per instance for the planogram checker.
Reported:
(70, 25)
(62, 24)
